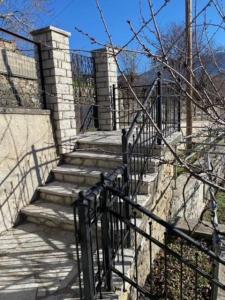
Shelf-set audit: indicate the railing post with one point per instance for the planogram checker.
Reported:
(85, 244)
(95, 107)
(179, 107)
(114, 105)
(125, 154)
(106, 239)
(42, 78)
(159, 106)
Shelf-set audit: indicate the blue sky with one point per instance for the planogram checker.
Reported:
(67, 14)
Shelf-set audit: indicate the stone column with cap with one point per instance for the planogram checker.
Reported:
(57, 71)
(106, 77)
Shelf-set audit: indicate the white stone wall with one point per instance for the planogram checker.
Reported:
(106, 77)
(17, 64)
(27, 155)
(58, 84)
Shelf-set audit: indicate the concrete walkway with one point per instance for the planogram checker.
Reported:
(37, 262)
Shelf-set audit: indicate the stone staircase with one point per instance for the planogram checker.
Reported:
(78, 171)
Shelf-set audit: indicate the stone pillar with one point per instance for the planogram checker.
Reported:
(106, 77)
(58, 83)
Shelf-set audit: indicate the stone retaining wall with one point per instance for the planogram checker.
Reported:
(27, 155)
(167, 202)
(19, 84)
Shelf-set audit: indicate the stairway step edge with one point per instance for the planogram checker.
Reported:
(49, 211)
(76, 170)
(95, 155)
(67, 189)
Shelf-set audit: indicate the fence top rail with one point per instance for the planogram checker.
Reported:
(19, 36)
(168, 226)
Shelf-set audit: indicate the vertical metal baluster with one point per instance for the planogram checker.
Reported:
(86, 245)
(134, 147)
(174, 114)
(196, 276)
(77, 250)
(135, 249)
(165, 270)
(141, 156)
(133, 163)
(117, 230)
(114, 242)
(159, 107)
(91, 246)
(111, 233)
(179, 115)
(97, 247)
(181, 271)
(121, 240)
(150, 255)
(114, 106)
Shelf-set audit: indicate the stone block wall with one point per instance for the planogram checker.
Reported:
(56, 62)
(170, 203)
(106, 77)
(19, 83)
(27, 155)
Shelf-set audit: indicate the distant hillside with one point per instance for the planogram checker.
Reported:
(148, 77)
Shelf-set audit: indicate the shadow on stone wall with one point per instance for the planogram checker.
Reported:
(18, 186)
(27, 156)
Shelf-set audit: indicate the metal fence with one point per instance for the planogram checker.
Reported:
(21, 73)
(107, 219)
(178, 266)
(166, 113)
(83, 72)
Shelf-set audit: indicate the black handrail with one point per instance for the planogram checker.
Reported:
(104, 201)
(114, 199)
(18, 36)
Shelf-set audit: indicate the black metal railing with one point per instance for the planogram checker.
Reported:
(176, 266)
(107, 224)
(21, 71)
(84, 86)
(141, 140)
(167, 111)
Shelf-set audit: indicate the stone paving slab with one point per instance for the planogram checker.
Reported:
(201, 229)
(35, 258)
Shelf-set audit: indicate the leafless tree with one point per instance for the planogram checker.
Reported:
(21, 15)
(163, 49)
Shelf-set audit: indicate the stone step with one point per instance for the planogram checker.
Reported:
(59, 192)
(92, 159)
(111, 148)
(84, 176)
(50, 214)
(102, 160)
(90, 176)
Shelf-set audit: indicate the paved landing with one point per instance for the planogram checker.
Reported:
(104, 137)
(37, 262)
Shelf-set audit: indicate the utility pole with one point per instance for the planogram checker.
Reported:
(189, 59)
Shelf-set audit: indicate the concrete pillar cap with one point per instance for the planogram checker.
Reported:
(50, 28)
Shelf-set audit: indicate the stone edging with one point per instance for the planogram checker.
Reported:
(24, 111)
